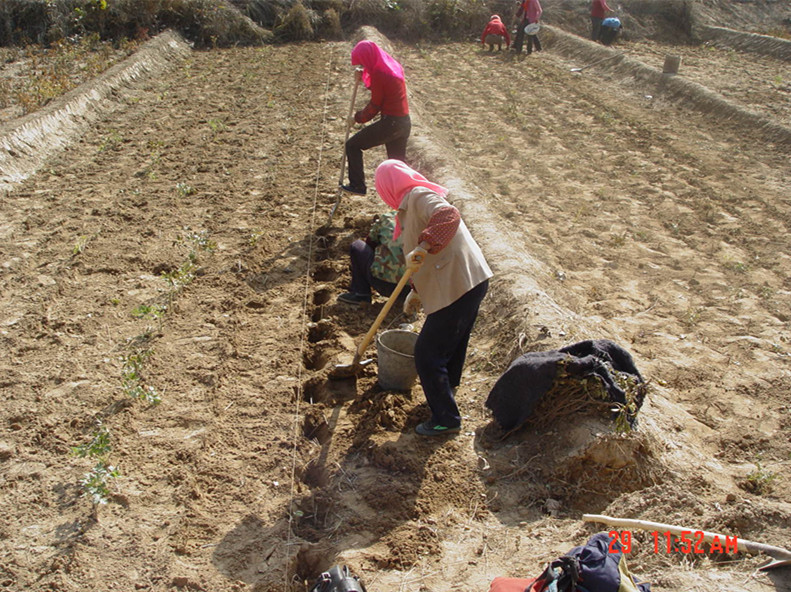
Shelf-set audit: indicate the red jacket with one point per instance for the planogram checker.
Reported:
(599, 8)
(531, 10)
(388, 97)
(496, 27)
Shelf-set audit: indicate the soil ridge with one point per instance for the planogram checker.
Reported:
(25, 144)
(671, 86)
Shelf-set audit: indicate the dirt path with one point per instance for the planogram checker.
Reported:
(652, 225)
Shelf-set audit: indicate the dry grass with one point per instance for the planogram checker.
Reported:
(35, 75)
(210, 23)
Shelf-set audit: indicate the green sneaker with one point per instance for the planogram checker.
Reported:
(428, 428)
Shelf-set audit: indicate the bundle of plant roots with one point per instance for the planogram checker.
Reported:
(590, 376)
(576, 395)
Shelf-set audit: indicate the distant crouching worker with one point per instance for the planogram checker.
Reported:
(610, 29)
(495, 33)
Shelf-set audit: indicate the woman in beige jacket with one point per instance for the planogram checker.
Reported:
(450, 280)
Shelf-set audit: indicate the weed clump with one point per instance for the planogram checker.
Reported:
(297, 24)
(331, 25)
(760, 480)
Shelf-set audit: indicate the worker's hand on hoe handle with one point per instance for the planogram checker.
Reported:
(412, 304)
(358, 74)
(416, 257)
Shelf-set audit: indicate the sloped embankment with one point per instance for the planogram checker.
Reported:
(25, 144)
(677, 89)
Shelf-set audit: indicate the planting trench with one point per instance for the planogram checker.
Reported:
(256, 471)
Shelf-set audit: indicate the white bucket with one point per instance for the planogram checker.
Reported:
(396, 360)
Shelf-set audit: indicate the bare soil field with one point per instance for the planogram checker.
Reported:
(180, 245)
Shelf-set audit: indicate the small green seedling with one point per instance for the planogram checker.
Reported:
(98, 447)
(95, 484)
(184, 189)
(255, 236)
(180, 277)
(147, 393)
(153, 311)
(619, 240)
(198, 240)
(80, 245)
(760, 480)
(111, 142)
(132, 380)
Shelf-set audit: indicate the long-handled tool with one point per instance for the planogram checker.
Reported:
(349, 370)
(612, 57)
(343, 159)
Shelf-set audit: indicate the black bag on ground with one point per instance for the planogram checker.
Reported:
(338, 579)
(597, 566)
(517, 393)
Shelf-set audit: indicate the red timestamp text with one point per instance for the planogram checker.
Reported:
(685, 541)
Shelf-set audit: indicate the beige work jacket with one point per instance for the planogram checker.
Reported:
(455, 270)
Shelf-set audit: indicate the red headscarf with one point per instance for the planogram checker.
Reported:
(394, 179)
(375, 59)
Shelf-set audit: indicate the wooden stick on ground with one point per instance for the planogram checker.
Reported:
(743, 544)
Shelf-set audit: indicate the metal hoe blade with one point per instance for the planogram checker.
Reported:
(348, 370)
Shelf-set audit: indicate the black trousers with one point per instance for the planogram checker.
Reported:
(520, 35)
(391, 131)
(440, 351)
(362, 256)
(531, 39)
(595, 28)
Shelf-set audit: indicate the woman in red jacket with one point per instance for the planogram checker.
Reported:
(384, 77)
(495, 32)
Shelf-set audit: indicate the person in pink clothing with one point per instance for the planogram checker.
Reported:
(530, 12)
(599, 10)
(384, 77)
(495, 33)
(450, 278)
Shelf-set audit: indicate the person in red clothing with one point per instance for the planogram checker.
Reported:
(384, 77)
(530, 12)
(599, 10)
(495, 33)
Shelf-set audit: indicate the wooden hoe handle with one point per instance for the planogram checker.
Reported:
(382, 314)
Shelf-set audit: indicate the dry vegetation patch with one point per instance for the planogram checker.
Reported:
(34, 75)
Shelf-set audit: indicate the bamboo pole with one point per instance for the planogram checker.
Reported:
(742, 544)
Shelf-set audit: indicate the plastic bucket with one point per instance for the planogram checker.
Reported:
(396, 360)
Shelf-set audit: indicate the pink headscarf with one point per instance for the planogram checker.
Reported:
(394, 179)
(374, 59)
